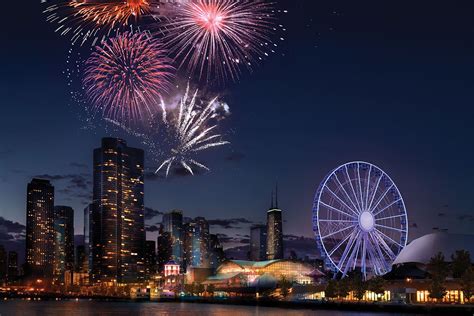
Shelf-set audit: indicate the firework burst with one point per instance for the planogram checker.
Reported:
(216, 38)
(187, 130)
(92, 18)
(192, 128)
(126, 77)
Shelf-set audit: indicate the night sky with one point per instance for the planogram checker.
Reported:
(388, 82)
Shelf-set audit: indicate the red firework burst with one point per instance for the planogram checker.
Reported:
(126, 77)
(217, 38)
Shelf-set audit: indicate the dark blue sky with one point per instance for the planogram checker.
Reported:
(389, 83)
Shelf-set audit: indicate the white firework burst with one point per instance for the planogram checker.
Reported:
(192, 128)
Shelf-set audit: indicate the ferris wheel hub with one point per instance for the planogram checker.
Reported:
(366, 221)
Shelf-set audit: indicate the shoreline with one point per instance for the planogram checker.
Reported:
(440, 309)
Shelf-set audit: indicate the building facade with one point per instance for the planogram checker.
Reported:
(274, 234)
(258, 243)
(165, 249)
(196, 243)
(173, 224)
(40, 229)
(12, 266)
(150, 258)
(3, 264)
(117, 225)
(63, 242)
(217, 254)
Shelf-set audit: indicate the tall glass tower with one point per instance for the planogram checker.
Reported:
(40, 229)
(117, 229)
(274, 231)
(173, 224)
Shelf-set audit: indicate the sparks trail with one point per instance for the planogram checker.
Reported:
(216, 38)
(192, 131)
(126, 78)
(96, 19)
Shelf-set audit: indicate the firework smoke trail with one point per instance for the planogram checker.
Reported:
(126, 77)
(216, 38)
(88, 19)
(192, 128)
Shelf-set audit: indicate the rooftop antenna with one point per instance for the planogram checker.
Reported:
(271, 199)
(276, 195)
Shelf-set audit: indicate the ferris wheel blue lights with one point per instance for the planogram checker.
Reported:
(359, 219)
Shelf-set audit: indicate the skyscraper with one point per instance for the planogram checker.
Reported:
(3, 264)
(81, 259)
(87, 240)
(63, 241)
(258, 242)
(196, 243)
(12, 266)
(217, 255)
(165, 249)
(40, 229)
(150, 258)
(274, 230)
(173, 224)
(117, 218)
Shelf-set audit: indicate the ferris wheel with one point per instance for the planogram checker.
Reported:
(359, 219)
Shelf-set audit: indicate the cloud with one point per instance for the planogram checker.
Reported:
(414, 225)
(152, 228)
(441, 214)
(151, 213)
(466, 217)
(235, 156)
(11, 227)
(5, 153)
(229, 223)
(78, 186)
(78, 165)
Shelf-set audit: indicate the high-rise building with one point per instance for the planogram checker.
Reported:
(63, 241)
(81, 259)
(150, 258)
(86, 240)
(274, 231)
(12, 266)
(40, 229)
(165, 249)
(196, 243)
(117, 229)
(173, 224)
(217, 254)
(3, 264)
(258, 243)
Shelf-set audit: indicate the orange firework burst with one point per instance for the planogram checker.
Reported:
(87, 19)
(111, 13)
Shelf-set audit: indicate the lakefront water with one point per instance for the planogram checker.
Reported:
(93, 308)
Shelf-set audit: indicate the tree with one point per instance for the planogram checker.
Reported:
(343, 288)
(467, 284)
(198, 288)
(211, 289)
(285, 286)
(331, 289)
(437, 289)
(438, 268)
(189, 288)
(461, 261)
(358, 286)
(377, 285)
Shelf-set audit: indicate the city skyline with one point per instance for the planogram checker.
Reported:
(411, 146)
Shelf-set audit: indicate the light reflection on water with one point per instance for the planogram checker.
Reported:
(93, 308)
